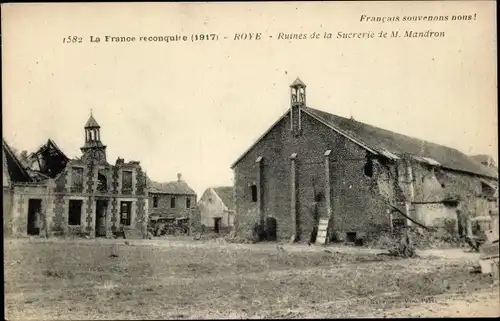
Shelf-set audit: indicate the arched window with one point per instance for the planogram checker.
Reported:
(368, 168)
(253, 190)
(102, 183)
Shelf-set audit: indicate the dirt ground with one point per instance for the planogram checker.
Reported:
(159, 279)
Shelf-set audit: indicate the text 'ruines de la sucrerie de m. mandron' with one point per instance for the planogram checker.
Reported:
(257, 36)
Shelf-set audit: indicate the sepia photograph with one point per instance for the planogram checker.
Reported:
(264, 160)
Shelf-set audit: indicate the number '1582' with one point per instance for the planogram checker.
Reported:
(73, 39)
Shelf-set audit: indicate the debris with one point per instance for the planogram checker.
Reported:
(113, 255)
(328, 251)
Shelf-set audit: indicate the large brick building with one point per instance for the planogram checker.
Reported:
(312, 165)
(52, 194)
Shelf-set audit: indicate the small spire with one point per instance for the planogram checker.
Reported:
(92, 123)
(298, 83)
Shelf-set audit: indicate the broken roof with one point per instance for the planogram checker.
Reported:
(12, 165)
(178, 187)
(485, 160)
(50, 144)
(54, 159)
(382, 139)
(384, 142)
(226, 195)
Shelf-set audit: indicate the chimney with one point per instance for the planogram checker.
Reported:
(179, 176)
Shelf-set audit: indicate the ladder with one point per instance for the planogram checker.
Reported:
(322, 231)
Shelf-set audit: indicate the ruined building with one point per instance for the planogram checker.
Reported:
(50, 193)
(313, 166)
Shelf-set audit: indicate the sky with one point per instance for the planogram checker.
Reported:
(195, 107)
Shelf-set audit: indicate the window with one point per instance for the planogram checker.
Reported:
(254, 193)
(172, 202)
(125, 213)
(102, 182)
(319, 197)
(398, 223)
(188, 202)
(368, 168)
(77, 179)
(126, 182)
(75, 212)
(155, 201)
(487, 190)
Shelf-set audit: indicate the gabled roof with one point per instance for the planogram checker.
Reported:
(393, 145)
(173, 188)
(92, 123)
(11, 164)
(226, 195)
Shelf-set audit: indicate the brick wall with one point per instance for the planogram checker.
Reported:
(356, 202)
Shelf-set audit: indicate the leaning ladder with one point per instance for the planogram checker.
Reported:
(322, 231)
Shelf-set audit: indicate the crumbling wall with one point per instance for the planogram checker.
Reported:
(435, 188)
(23, 192)
(437, 215)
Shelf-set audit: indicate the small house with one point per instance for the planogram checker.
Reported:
(175, 199)
(217, 208)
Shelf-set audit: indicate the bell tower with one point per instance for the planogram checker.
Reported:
(298, 100)
(93, 150)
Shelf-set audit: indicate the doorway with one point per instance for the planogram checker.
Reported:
(100, 218)
(217, 221)
(34, 216)
(271, 229)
